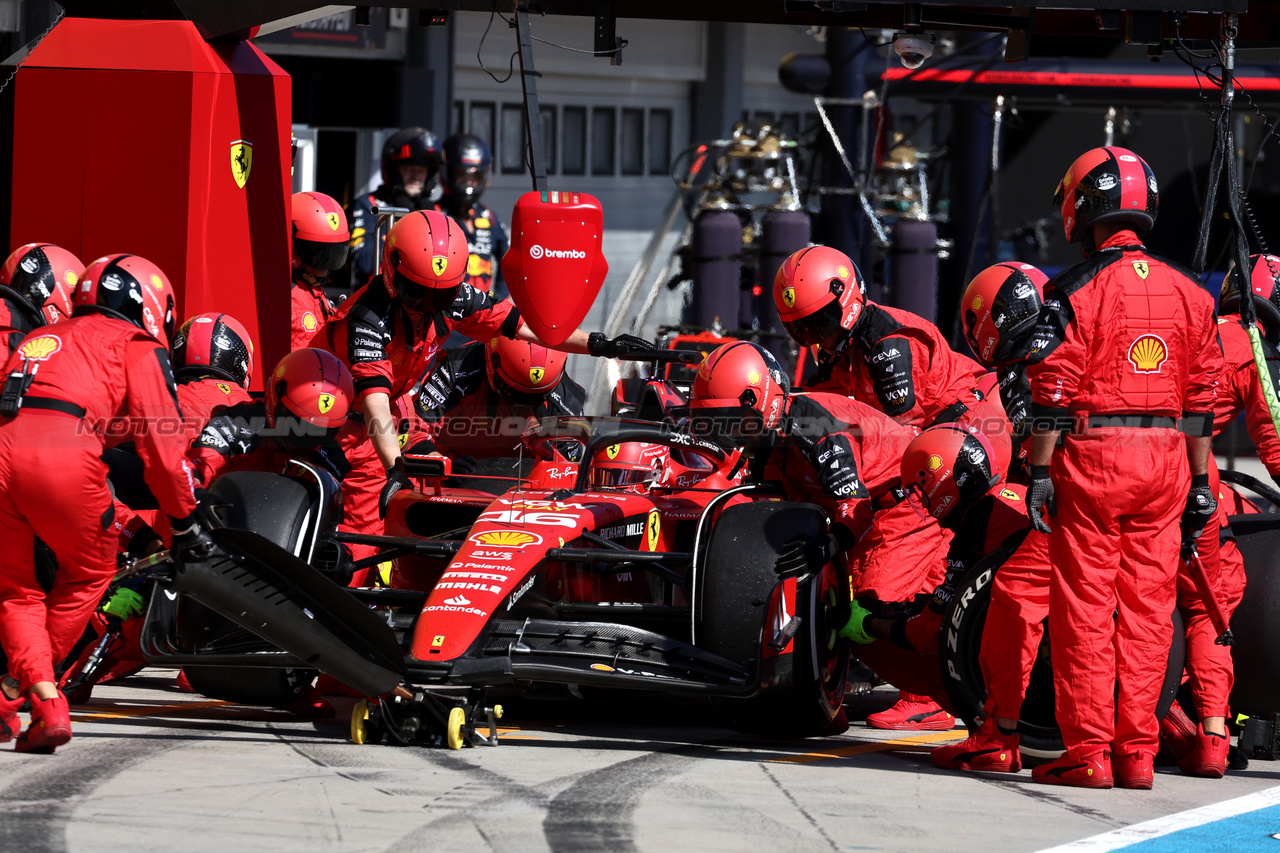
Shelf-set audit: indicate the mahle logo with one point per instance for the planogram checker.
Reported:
(537, 252)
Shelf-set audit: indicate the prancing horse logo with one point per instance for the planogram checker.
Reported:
(241, 161)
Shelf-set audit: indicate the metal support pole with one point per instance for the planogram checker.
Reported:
(532, 114)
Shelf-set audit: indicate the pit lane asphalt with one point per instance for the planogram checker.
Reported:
(153, 769)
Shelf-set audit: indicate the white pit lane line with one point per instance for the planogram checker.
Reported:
(1118, 839)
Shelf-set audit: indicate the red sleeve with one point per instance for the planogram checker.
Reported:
(489, 322)
(206, 463)
(1055, 379)
(1206, 363)
(157, 421)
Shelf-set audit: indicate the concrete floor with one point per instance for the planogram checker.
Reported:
(153, 769)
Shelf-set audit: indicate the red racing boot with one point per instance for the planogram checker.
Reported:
(1177, 733)
(50, 725)
(1133, 770)
(913, 712)
(1078, 771)
(10, 725)
(1209, 756)
(986, 749)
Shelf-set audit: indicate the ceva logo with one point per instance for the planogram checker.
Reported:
(536, 252)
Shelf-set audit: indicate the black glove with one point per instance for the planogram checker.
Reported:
(463, 465)
(397, 479)
(602, 347)
(803, 554)
(1200, 510)
(191, 541)
(1040, 496)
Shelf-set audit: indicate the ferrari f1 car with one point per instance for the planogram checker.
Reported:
(527, 571)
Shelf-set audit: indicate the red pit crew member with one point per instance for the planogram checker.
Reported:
(307, 399)
(1209, 665)
(391, 332)
(1130, 347)
(320, 238)
(212, 358)
(482, 397)
(951, 471)
(68, 392)
(36, 285)
(844, 456)
(884, 357)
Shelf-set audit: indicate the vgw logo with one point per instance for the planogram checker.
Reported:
(536, 252)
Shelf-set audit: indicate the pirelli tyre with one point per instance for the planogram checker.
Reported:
(742, 603)
(277, 508)
(961, 642)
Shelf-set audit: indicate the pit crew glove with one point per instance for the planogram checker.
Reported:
(856, 628)
(463, 465)
(191, 541)
(602, 347)
(125, 604)
(803, 554)
(397, 480)
(1040, 497)
(1200, 510)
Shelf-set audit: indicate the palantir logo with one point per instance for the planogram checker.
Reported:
(536, 251)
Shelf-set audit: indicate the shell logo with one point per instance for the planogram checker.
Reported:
(753, 377)
(41, 348)
(506, 538)
(601, 667)
(309, 321)
(157, 282)
(976, 304)
(1148, 354)
(934, 462)
(71, 278)
(789, 297)
(842, 272)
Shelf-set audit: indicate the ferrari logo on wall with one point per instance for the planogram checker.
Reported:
(241, 161)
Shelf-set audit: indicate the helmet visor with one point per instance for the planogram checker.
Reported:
(821, 328)
(428, 300)
(618, 478)
(321, 257)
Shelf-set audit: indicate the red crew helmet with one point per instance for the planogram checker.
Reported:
(1107, 185)
(129, 288)
(320, 233)
(214, 344)
(820, 295)
(1000, 309)
(950, 467)
(308, 397)
(634, 465)
(1265, 282)
(423, 260)
(522, 369)
(44, 276)
(742, 382)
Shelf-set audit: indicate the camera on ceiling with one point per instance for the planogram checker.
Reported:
(913, 49)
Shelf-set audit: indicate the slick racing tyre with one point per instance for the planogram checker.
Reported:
(1256, 652)
(961, 641)
(277, 508)
(743, 604)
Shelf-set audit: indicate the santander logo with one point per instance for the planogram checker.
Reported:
(536, 252)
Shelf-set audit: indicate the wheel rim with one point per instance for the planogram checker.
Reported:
(453, 731)
(359, 722)
(829, 656)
